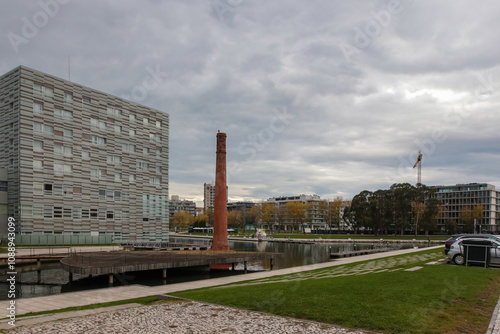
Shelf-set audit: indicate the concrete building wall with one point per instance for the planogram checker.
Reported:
(82, 162)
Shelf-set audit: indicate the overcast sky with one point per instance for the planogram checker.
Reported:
(316, 97)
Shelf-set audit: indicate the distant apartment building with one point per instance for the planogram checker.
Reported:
(208, 196)
(177, 205)
(82, 165)
(313, 220)
(240, 206)
(458, 197)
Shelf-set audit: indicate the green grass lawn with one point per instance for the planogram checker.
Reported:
(436, 299)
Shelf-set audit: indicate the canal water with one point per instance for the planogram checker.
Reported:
(55, 280)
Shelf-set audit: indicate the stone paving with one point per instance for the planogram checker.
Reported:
(181, 317)
(494, 327)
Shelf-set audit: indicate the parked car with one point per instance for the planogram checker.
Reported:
(456, 252)
(457, 237)
(450, 242)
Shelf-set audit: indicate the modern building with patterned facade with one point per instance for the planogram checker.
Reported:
(456, 198)
(81, 163)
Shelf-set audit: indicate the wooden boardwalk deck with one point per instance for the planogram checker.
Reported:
(102, 263)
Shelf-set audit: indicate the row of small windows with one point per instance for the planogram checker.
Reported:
(67, 190)
(58, 113)
(49, 130)
(473, 200)
(485, 193)
(48, 92)
(67, 151)
(103, 125)
(98, 173)
(94, 139)
(40, 211)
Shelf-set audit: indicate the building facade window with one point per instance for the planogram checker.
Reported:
(63, 150)
(37, 145)
(114, 159)
(37, 108)
(37, 165)
(130, 148)
(97, 140)
(142, 165)
(48, 129)
(68, 97)
(97, 124)
(63, 114)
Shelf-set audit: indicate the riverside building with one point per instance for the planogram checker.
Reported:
(82, 166)
(455, 199)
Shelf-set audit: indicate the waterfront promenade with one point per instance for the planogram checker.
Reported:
(177, 316)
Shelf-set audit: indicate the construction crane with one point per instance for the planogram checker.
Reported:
(419, 165)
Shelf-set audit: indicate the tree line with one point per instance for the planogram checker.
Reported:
(403, 208)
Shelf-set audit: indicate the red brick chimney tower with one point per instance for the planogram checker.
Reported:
(220, 205)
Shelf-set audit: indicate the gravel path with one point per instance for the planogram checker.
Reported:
(180, 317)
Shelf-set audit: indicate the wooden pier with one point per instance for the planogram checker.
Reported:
(110, 263)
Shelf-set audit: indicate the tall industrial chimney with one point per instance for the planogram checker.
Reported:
(220, 241)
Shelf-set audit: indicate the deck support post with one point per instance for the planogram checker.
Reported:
(164, 273)
(232, 266)
(245, 264)
(70, 276)
(271, 263)
(110, 275)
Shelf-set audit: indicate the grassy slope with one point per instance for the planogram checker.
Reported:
(435, 299)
